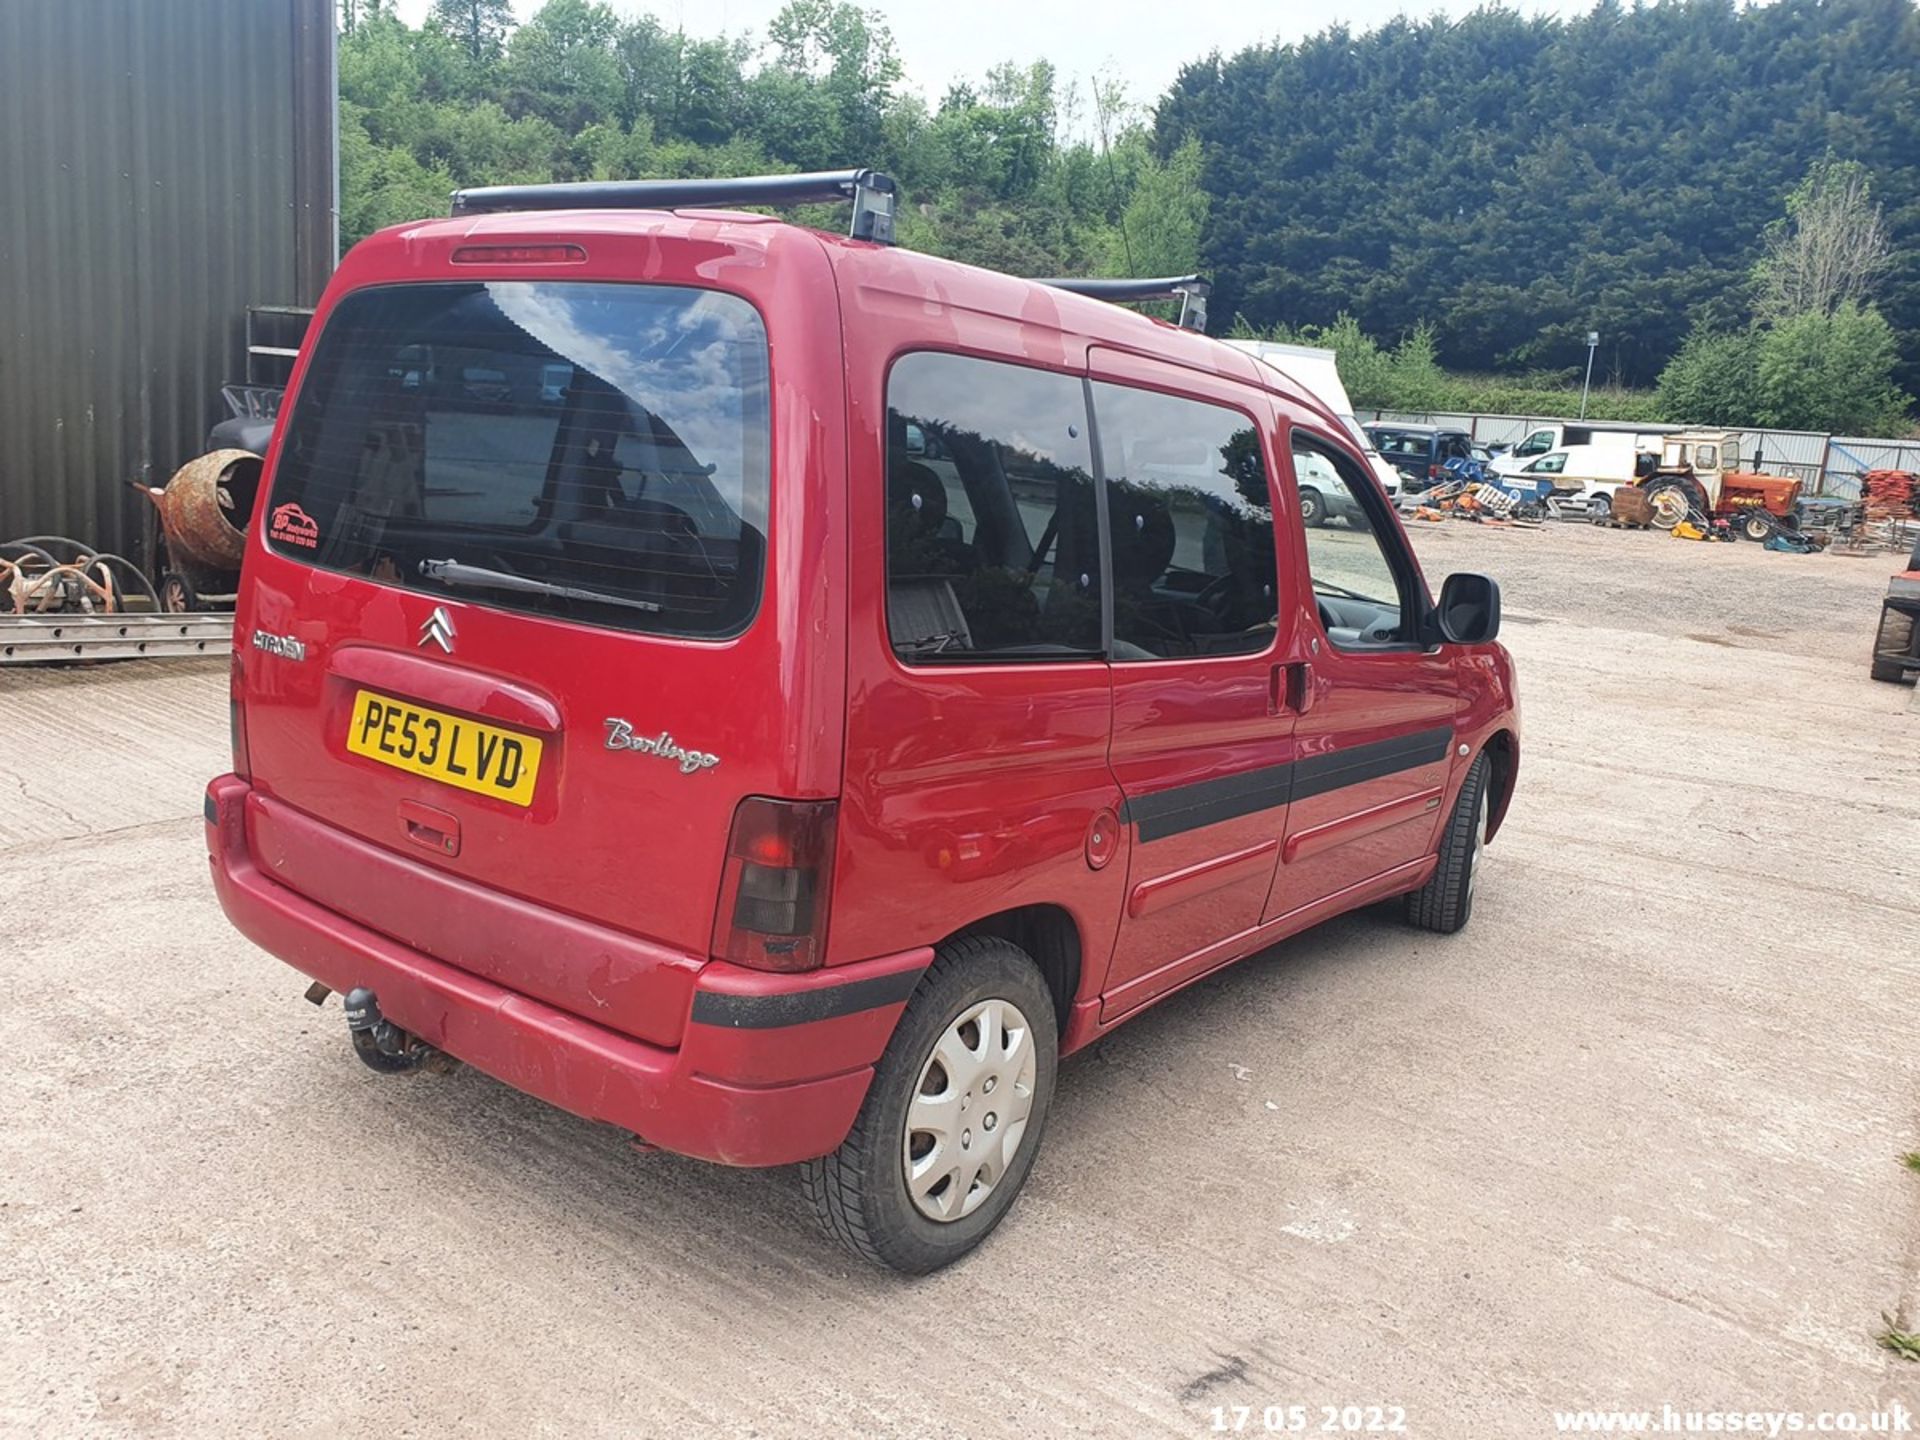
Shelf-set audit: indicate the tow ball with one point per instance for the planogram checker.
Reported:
(381, 1044)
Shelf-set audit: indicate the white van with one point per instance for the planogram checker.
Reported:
(1316, 371)
(1581, 435)
(1583, 474)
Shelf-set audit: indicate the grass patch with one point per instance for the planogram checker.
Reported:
(1911, 1160)
(1904, 1343)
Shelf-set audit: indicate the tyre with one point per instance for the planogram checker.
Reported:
(1313, 506)
(1755, 527)
(1895, 637)
(1445, 903)
(954, 1116)
(1670, 503)
(1599, 507)
(176, 594)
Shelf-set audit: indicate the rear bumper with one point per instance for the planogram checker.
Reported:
(771, 1069)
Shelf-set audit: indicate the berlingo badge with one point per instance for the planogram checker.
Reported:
(620, 736)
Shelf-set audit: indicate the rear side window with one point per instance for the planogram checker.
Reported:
(993, 541)
(1192, 526)
(595, 453)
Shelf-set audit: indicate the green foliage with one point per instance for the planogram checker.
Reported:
(1518, 180)
(1410, 379)
(1484, 191)
(1714, 380)
(1830, 372)
(995, 174)
(1815, 357)
(478, 27)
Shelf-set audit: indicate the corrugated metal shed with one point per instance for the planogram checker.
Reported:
(162, 167)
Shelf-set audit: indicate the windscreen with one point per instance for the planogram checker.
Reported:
(591, 452)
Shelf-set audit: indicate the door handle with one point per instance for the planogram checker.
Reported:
(1300, 686)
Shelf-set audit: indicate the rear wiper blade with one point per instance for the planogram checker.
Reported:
(478, 577)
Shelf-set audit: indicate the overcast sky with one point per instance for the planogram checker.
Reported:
(1144, 42)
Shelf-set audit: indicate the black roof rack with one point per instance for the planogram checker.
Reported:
(1190, 290)
(871, 192)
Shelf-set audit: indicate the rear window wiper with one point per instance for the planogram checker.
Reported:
(478, 577)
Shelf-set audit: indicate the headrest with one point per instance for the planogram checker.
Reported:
(916, 500)
(1143, 536)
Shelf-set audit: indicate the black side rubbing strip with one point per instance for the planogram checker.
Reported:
(1318, 774)
(801, 1007)
(211, 811)
(1208, 802)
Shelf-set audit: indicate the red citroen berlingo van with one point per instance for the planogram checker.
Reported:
(775, 693)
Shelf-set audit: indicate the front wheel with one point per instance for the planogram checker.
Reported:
(953, 1118)
(1313, 507)
(1756, 527)
(1445, 903)
(1600, 507)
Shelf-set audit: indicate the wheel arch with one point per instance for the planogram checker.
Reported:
(1051, 938)
(1504, 753)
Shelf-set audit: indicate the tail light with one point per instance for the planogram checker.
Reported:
(773, 896)
(237, 717)
(1433, 472)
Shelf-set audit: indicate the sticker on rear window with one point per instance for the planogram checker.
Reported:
(294, 526)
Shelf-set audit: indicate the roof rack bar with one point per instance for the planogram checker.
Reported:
(872, 193)
(1190, 290)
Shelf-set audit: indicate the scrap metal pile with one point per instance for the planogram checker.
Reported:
(61, 599)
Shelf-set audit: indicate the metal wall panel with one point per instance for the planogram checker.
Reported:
(148, 165)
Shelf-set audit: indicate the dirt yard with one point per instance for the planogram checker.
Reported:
(1634, 1139)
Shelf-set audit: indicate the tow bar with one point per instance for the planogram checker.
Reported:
(381, 1044)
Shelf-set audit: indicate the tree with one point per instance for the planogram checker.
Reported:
(561, 65)
(1830, 250)
(479, 27)
(1831, 372)
(1714, 380)
(1160, 226)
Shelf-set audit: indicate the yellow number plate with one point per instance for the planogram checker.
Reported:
(447, 748)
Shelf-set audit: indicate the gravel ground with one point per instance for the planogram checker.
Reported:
(1630, 1140)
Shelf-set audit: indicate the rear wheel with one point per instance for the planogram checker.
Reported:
(1600, 507)
(1445, 903)
(1313, 507)
(1670, 503)
(954, 1116)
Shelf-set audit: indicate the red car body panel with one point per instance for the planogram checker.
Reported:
(565, 946)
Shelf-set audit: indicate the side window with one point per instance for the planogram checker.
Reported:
(993, 542)
(1549, 464)
(1706, 457)
(1191, 521)
(1356, 588)
(1537, 443)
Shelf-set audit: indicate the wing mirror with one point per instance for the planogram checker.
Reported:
(1469, 609)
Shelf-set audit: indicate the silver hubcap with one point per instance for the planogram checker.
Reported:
(969, 1111)
(1479, 843)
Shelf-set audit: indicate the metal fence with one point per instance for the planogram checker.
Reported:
(1824, 464)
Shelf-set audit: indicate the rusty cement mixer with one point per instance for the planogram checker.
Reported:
(204, 511)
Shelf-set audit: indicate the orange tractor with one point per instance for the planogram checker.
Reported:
(1697, 476)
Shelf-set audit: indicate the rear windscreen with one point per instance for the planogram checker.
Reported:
(595, 453)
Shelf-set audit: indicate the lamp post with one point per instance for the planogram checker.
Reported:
(1593, 343)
